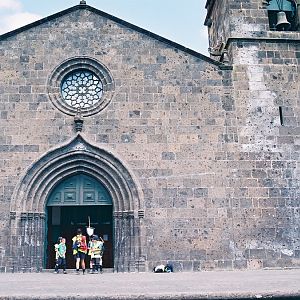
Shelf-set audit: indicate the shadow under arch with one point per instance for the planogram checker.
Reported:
(28, 206)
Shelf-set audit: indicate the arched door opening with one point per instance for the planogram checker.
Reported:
(69, 207)
(77, 178)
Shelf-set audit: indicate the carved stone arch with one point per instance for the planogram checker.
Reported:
(29, 201)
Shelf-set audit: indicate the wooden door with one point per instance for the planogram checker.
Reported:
(70, 205)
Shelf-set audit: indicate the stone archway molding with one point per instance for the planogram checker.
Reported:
(29, 203)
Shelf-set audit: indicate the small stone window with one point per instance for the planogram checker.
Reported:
(81, 83)
(282, 15)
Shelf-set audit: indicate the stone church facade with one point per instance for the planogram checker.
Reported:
(174, 157)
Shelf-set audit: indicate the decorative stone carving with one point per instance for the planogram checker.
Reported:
(78, 120)
(61, 75)
(46, 173)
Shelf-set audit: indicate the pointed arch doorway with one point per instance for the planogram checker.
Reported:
(29, 212)
(71, 203)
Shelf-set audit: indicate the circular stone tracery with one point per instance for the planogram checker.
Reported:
(81, 83)
(81, 89)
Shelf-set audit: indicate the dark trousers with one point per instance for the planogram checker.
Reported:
(97, 264)
(60, 263)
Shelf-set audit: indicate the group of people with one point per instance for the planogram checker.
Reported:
(94, 248)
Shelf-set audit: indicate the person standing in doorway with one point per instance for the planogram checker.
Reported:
(60, 254)
(97, 247)
(79, 250)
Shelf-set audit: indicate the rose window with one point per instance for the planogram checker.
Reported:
(81, 89)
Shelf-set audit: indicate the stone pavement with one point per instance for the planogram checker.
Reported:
(202, 285)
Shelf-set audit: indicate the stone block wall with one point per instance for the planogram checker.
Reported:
(264, 171)
(170, 117)
(228, 19)
(266, 205)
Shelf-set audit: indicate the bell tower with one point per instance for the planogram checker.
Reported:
(239, 19)
(260, 39)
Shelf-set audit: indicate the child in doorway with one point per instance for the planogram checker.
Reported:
(60, 255)
(97, 247)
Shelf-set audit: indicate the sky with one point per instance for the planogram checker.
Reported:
(177, 20)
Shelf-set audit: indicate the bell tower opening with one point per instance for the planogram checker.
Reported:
(71, 204)
(282, 15)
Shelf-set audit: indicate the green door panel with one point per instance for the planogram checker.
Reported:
(79, 190)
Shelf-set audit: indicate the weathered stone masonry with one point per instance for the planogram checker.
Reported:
(265, 183)
(201, 172)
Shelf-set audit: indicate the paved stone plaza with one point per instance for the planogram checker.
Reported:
(200, 285)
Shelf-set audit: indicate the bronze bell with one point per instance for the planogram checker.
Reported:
(282, 23)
